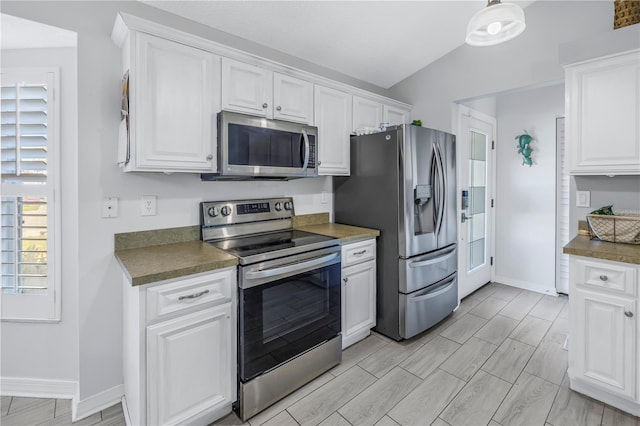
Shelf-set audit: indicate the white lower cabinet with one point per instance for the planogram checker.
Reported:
(358, 291)
(180, 349)
(603, 330)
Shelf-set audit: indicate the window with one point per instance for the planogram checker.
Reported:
(30, 276)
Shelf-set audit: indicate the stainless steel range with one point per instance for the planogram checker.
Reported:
(288, 297)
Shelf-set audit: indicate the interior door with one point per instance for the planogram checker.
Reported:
(476, 185)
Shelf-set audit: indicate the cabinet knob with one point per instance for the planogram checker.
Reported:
(604, 277)
(264, 105)
(628, 314)
(278, 108)
(345, 279)
(210, 157)
(319, 162)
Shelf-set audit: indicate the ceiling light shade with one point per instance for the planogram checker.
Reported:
(496, 23)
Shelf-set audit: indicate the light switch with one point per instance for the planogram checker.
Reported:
(583, 198)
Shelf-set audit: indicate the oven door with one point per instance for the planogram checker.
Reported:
(287, 306)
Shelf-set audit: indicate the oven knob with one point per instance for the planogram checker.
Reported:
(278, 206)
(213, 211)
(288, 205)
(226, 211)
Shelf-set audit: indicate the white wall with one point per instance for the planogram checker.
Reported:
(50, 351)
(525, 241)
(529, 60)
(97, 352)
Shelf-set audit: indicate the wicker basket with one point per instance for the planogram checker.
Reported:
(626, 12)
(621, 228)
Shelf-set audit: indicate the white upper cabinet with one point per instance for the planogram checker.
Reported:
(173, 98)
(254, 90)
(366, 114)
(395, 116)
(603, 106)
(333, 119)
(246, 88)
(292, 99)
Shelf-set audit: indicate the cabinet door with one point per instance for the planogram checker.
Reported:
(173, 111)
(292, 99)
(366, 114)
(395, 116)
(603, 341)
(190, 365)
(603, 110)
(333, 119)
(246, 88)
(358, 301)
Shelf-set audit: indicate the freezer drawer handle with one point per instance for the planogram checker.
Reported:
(194, 296)
(432, 261)
(263, 273)
(432, 294)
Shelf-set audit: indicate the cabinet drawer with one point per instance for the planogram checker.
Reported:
(610, 276)
(355, 253)
(185, 294)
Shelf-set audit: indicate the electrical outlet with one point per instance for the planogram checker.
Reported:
(110, 207)
(583, 198)
(149, 205)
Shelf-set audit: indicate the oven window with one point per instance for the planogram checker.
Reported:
(282, 319)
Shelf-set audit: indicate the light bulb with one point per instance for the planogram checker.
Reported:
(494, 28)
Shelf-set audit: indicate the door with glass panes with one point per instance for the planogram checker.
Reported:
(476, 172)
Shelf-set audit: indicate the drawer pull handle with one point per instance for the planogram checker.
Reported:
(628, 314)
(193, 296)
(359, 253)
(604, 277)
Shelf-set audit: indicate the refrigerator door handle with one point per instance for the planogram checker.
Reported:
(435, 292)
(441, 188)
(439, 259)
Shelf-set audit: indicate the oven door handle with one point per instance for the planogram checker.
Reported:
(264, 273)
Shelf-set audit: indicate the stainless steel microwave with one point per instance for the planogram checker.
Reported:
(259, 148)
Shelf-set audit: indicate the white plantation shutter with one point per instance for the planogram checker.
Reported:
(28, 118)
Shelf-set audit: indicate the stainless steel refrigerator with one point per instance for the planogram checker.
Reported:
(403, 182)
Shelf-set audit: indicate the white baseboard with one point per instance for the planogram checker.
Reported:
(525, 285)
(86, 407)
(38, 388)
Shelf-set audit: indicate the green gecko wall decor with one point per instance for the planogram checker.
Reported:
(524, 148)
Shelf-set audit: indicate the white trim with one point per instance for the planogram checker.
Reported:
(525, 285)
(42, 308)
(37, 388)
(126, 22)
(95, 403)
(125, 410)
(624, 404)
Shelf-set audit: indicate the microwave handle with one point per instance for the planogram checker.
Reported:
(306, 149)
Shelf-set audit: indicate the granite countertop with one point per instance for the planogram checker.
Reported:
(151, 256)
(346, 233)
(619, 252)
(145, 265)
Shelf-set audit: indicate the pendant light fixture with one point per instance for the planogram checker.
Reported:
(496, 23)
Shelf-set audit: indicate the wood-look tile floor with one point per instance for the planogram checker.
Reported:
(498, 360)
(19, 411)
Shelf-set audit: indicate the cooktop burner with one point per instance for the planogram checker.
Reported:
(259, 247)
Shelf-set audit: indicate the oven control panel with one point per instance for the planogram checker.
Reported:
(225, 213)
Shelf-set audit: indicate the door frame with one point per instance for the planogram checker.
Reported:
(459, 111)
